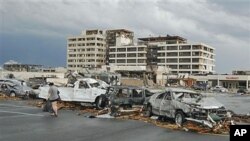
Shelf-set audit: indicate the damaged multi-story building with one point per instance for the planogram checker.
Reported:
(149, 57)
(87, 50)
(117, 37)
(176, 53)
(125, 56)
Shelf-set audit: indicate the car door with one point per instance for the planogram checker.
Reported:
(82, 92)
(166, 104)
(137, 96)
(156, 103)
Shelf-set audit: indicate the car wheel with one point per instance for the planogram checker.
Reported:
(179, 118)
(26, 96)
(100, 102)
(148, 111)
(12, 94)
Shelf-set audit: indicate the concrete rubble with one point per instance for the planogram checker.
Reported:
(136, 114)
(5, 97)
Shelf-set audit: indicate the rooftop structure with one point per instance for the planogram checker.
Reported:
(166, 39)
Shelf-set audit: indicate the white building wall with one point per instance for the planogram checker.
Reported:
(86, 50)
(128, 55)
(187, 58)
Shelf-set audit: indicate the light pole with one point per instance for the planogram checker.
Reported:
(218, 81)
(1, 72)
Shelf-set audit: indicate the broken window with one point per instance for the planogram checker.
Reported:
(95, 84)
(160, 96)
(148, 93)
(131, 55)
(131, 49)
(136, 93)
(122, 93)
(168, 96)
(83, 85)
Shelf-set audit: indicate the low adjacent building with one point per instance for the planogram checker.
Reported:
(15, 66)
(229, 81)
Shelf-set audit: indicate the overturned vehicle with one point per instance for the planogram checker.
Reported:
(181, 105)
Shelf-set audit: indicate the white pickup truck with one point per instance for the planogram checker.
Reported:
(85, 90)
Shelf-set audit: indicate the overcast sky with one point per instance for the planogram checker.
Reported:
(35, 31)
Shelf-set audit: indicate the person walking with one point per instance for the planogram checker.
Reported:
(53, 97)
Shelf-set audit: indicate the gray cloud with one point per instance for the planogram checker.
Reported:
(221, 24)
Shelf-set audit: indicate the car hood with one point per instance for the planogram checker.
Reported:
(204, 102)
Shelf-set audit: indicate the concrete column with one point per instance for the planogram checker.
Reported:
(218, 81)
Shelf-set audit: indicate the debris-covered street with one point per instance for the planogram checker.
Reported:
(15, 109)
(129, 109)
(32, 124)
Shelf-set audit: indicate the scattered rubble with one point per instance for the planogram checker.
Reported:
(136, 114)
(5, 97)
(240, 119)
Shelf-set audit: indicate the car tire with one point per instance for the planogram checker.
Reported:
(148, 111)
(26, 96)
(12, 94)
(179, 118)
(100, 102)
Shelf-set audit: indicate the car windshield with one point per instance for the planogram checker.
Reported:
(186, 95)
(148, 93)
(110, 90)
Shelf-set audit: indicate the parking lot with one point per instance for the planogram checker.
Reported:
(19, 121)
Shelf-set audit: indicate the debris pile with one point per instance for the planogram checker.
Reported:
(136, 114)
(5, 97)
(68, 105)
(36, 103)
(241, 119)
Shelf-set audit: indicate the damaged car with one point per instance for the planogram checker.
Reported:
(15, 90)
(127, 96)
(182, 104)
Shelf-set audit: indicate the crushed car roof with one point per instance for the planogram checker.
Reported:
(130, 87)
(89, 80)
(180, 90)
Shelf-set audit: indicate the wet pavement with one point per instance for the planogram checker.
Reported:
(238, 103)
(19, 121)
